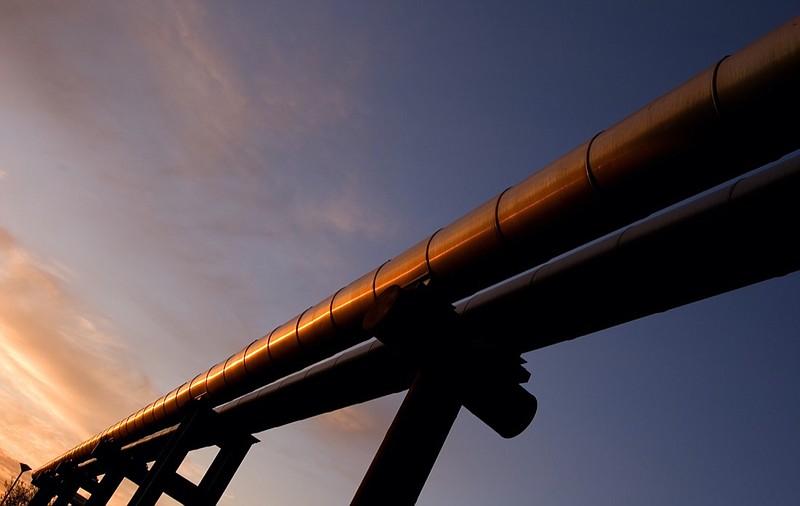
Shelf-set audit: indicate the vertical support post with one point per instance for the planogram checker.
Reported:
(221, 471)
(411, 445)
(106, 488)
(108, 454)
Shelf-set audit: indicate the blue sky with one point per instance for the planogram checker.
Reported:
(178, 178)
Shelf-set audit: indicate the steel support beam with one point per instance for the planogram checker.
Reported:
(106, 488)
(222, 469)
(411, 445)
(115, 467)
(167, 463)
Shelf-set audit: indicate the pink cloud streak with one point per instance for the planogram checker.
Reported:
(63, 374)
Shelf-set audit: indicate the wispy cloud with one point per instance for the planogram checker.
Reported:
(353, 419)
(207, 176)
(154, 101)
(354, 432)
(218, 166)
(62, 373)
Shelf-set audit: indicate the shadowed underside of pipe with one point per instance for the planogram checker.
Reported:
(734, 237)
(737, 115)
(741, 234)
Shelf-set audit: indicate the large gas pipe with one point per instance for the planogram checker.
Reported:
(733, 117)
(731, 238)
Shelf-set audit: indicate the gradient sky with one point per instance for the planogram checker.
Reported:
(178, 178)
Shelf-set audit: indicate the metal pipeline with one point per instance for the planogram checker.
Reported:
(740, 113)
(729, 239)
(734, 237)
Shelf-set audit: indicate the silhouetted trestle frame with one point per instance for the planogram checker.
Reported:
(163, 477)
(199, 428)
(736, 116)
